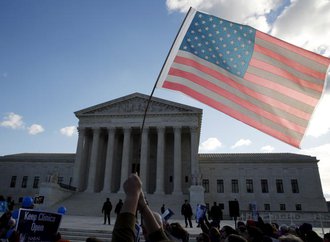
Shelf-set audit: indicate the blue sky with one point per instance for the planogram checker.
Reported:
(59, 56)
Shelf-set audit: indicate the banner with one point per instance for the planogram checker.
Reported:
(37, 226)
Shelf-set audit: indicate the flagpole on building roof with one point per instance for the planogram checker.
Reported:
(161, 70)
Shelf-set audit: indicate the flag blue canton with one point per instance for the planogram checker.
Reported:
(223, 43)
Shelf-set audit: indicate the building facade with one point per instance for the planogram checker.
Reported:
(112, 144)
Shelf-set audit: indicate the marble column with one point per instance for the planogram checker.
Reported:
(177, 186)
(144, 158)
(160, 161)
(125, 157)
(78, 169)
(193, 154)
(93, 161)
(109, 161)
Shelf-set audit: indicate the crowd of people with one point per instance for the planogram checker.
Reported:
(155, 228)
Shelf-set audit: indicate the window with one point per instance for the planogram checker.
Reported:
(298, 207)
(206, 185)
(249, 185)
(264, 186)
(279, 186)
(24, 181)
(220, 186)
(294, 186)
(234, 186)
(36, 182)
(13, 181)
(267, 207)
(282, 207)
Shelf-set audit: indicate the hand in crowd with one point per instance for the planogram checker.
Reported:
(133, 186)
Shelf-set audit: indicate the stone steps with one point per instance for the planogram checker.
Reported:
(90, 204)
(80, 235)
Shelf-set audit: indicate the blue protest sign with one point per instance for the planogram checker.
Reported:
(200, 212)
(167, 214)
(35, 225)
(3, 206)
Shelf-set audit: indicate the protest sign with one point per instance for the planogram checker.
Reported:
(200, 212)
(167, 214)
(3, 206)
(38, 226)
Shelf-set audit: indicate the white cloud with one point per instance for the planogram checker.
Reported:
(68, 131)
(35, 129)
(183, 5)
(210, 145)
(323, 154)
(304, 23)
(241, 142)
(12, 120)
(267, 148)
(320, 123)
(252, 12)
(258, 22)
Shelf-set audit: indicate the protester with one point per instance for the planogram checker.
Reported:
(326, 237)
(7, 230)
(289, 238)
(235, 238)
(118, 207)
(124, 229)
(186, 211)
(5, 223)
(106, 210)
(216, 214)
(162, 209)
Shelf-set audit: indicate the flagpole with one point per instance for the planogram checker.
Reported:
(168, 54)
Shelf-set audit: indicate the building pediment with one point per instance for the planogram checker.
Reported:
(136, 103)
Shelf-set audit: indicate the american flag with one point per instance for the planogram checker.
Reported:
(251, 76)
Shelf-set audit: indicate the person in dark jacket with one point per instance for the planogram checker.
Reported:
(216, 215)
(118, 207)
(186, 211)
(106, 210)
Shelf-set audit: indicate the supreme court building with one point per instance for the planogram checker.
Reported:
(111, 145)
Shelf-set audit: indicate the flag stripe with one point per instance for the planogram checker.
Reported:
(199, 63)
(241, 88)
(311, 55)
(277, 71)
(285, 80)
(243, 103)
(230, 105)
(269, 84)
(296, 66)
(301, 59)
(217, 105)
